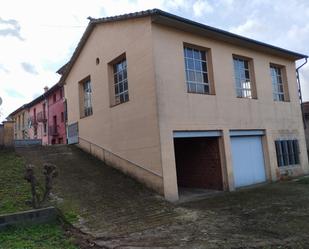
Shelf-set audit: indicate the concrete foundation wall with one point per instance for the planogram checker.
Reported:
(149, 178)
(37, 216)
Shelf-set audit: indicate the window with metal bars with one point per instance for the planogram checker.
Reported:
(287, 152)
(121, 82)
(277, 83)
(197, 77)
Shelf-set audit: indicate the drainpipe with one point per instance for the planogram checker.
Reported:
(299, 90)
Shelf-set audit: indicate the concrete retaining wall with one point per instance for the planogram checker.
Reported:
(27, 142)
(37, 216)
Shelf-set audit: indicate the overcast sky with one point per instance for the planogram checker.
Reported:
(38, 36)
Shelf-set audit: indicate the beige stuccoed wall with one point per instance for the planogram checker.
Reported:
(8, 133)
(21, 131)
(130, 130)
(179, 110)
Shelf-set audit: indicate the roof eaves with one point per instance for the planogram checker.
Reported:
(229, 34)
(64, 70)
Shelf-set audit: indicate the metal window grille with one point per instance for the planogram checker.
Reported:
(287, 152)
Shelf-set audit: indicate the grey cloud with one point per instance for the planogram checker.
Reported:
(11, 28)
(29, 68)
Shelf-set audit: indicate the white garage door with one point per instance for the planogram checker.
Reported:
(248, 160)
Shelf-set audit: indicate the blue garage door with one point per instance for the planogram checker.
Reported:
(248, 160)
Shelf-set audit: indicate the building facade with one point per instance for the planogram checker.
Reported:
(43, 118)
(21, 122)
(177, 104)
(38, 125)
(306, 119)
(56, 115)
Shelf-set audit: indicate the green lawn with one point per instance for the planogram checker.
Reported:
(14, 190)
(47, 236)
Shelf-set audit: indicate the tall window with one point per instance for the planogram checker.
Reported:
(243, 78)
(121, 82)
(277, 82)
(54, 98)
(287, 152)
(87, 98)
(196, 71)
(23, 120)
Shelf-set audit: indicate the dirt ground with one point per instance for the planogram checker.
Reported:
(120, 213)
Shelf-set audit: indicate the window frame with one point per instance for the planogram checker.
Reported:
(251, 73)
(285, 88)
(287, 152)
(112, 84)
(208, 72)
(82, 107)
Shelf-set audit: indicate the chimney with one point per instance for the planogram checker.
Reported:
(45, 89)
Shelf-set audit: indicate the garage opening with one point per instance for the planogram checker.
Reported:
(198, 163)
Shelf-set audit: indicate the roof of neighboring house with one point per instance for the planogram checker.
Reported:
(171, 20)
(36, 100)
(18, 110)
(44, 95)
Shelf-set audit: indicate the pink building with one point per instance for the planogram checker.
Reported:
(56, 115)
(47, 117)
(38, 127)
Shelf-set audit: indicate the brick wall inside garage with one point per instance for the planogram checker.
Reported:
(198, 163)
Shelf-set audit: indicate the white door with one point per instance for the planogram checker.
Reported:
(248, 160)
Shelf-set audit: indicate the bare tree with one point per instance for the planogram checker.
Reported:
(50, 172)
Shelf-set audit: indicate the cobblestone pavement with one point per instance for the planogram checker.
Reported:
(121, 213)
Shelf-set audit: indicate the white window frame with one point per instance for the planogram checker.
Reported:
(243, 81)
(87, 91)
(197, 71)
(277, 83)
(121, 86)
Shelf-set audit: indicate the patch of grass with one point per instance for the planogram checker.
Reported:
(14, 190)
(71, 216)
(303, 180)
(47, 236)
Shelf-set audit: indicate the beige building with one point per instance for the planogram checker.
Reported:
(181, 105)
(306, 119)
(21, 122)
(7, 134)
